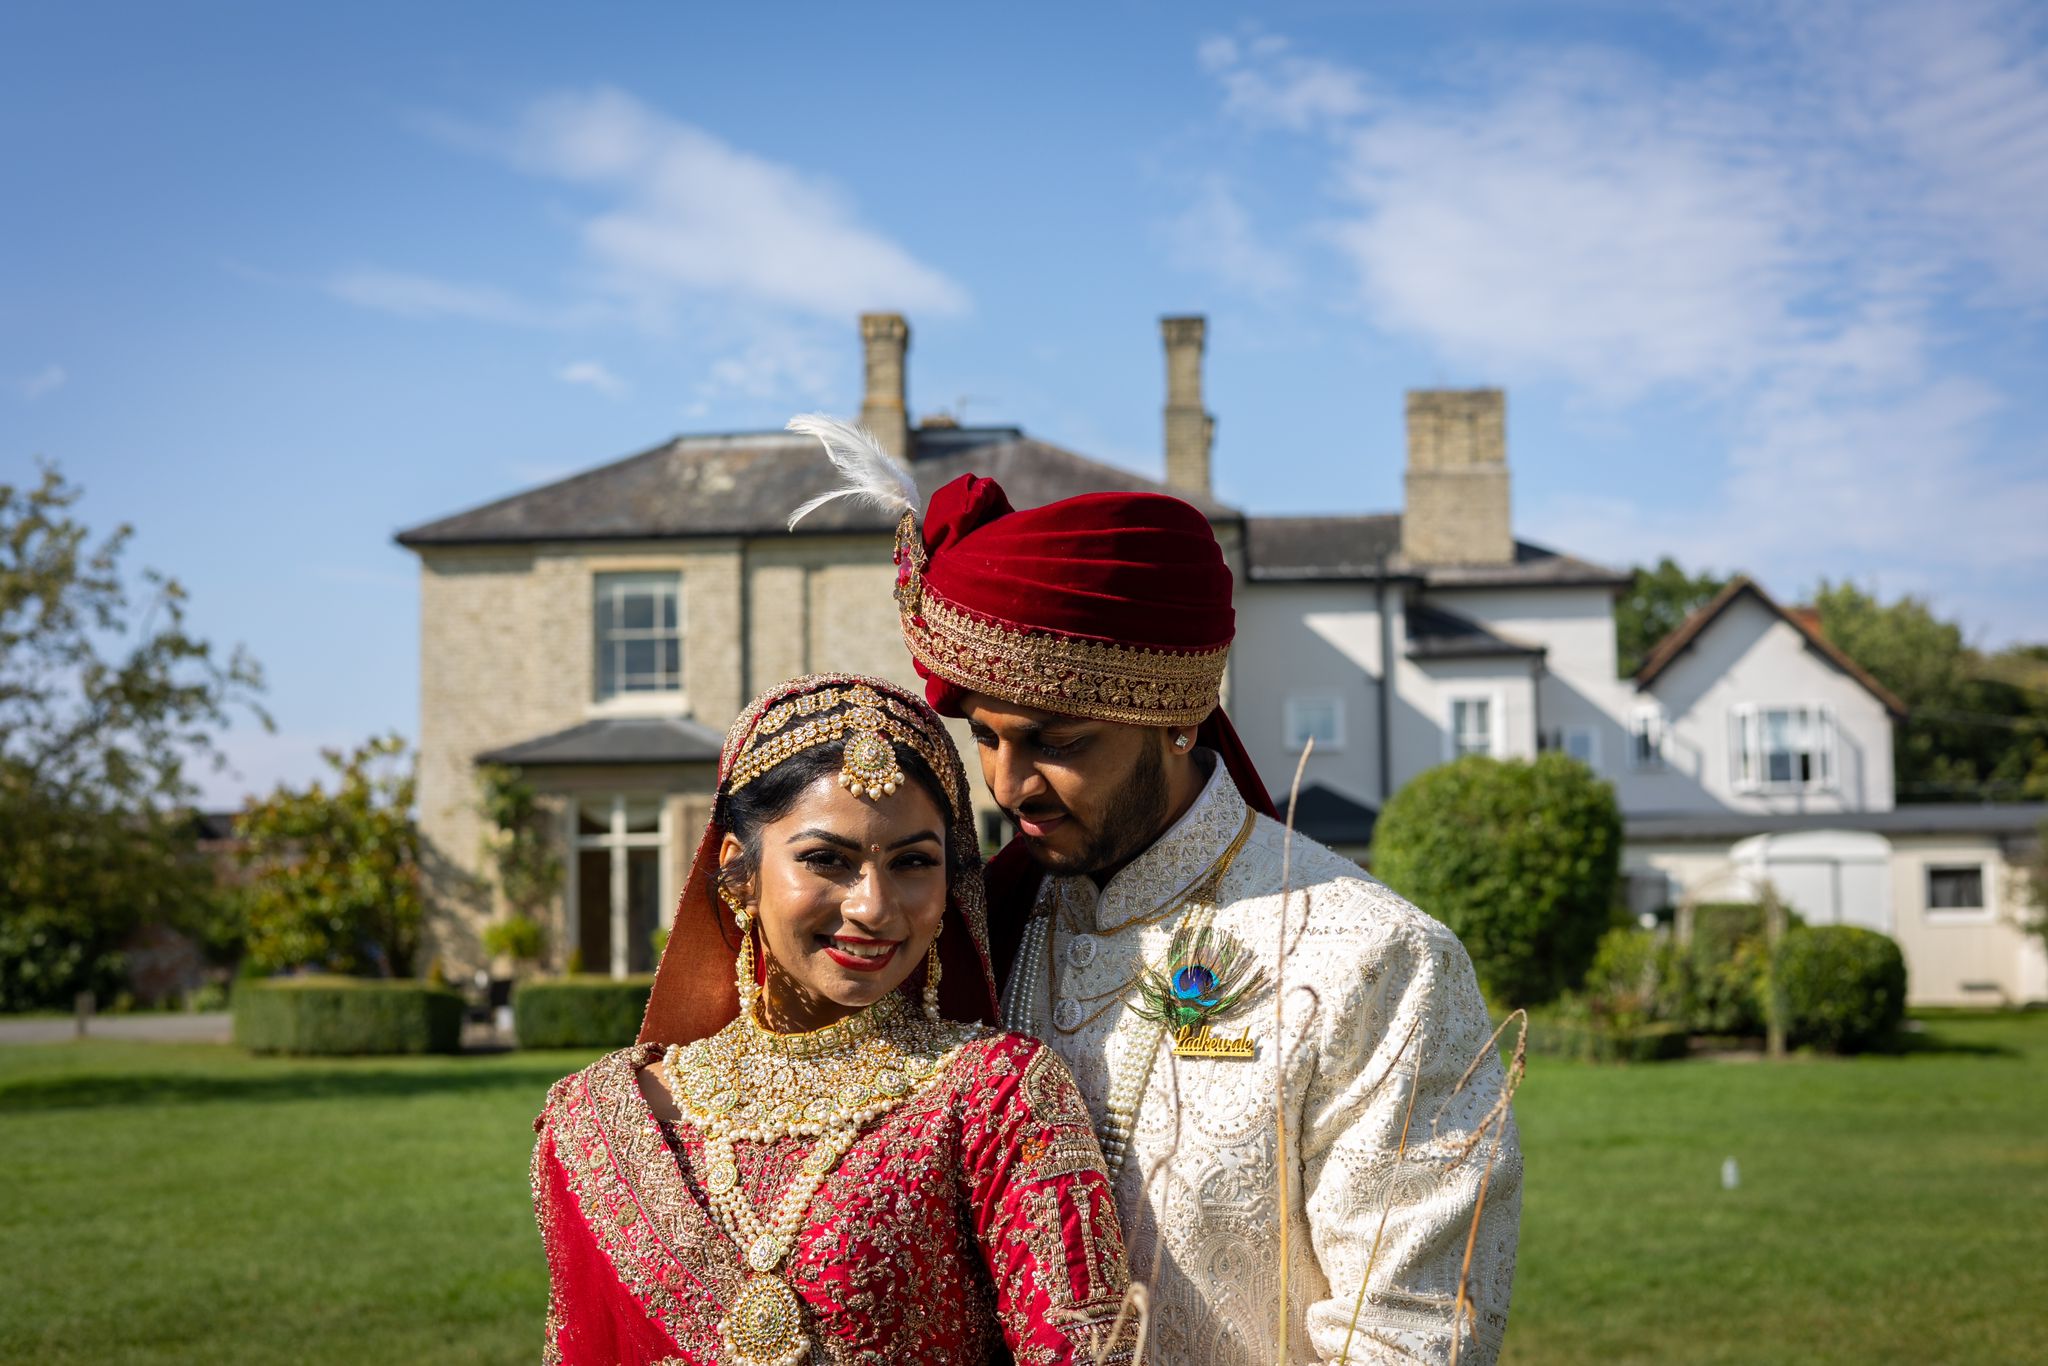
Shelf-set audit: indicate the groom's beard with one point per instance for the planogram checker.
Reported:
(1130, 819)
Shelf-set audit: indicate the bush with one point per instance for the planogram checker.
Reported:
(1518, 859)
(1723, 976)
(1625, 1010)
(579, 1012)
(516, 937)
(346, 1015)
(1843, 988)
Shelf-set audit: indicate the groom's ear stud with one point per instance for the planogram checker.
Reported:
(1180, 742)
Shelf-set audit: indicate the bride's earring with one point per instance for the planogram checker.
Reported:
(743, 965)
(931, 978)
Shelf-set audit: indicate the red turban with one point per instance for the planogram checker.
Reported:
(1114, 606)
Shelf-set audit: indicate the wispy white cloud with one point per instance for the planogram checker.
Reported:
(684, 211)
(45, 381)
(1787, 237)
(1266, 82)
(1214, 235)
(592, 374)
(424, 296)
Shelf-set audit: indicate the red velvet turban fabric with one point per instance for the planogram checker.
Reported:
(1115, 606)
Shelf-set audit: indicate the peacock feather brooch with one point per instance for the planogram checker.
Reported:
(1207, 972)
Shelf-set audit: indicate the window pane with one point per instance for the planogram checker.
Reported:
(643, 814)
(594, 818)
(668, 610)
(594, 909)
(640, 657)
(1951, 889)
(643, 907)
(636, 611)
(671, 660)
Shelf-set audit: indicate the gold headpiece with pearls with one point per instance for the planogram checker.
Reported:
(871, 724)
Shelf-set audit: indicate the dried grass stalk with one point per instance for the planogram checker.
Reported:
(1280, 1163)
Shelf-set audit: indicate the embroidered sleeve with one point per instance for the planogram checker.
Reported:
(1408, 1211)
(1042, 1207)
(592, 1319)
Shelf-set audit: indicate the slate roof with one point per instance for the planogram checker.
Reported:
(1345, 547)
(746, 484)
(1434, 633)
(616, 740)
(1923, 818)
(1348, 547)
(1805, 622)
(1329, 817)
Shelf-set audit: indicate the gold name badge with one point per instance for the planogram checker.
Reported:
(1200, 1041)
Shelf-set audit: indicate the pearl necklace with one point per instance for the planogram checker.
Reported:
(746, 1083)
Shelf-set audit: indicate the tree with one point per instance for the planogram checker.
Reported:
(335, 876)
(2035, 918)
(1976, 726)
(1519, 859)
(1657, 603)
(106, 701)
(518, 850)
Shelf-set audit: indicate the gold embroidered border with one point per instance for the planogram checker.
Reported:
(1096, 679)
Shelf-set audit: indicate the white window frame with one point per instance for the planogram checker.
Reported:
(1290, 727)
(1496, 701)
(1647, 718)
(1959, 915)
(618, 840)
(665, 700)
(1748, 760)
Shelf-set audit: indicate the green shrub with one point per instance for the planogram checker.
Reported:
(346, 1015)
(579, 1012)
(516, 937)
(1723, 976)
(1843, 987)
(1571, 1028)
(1518, 859)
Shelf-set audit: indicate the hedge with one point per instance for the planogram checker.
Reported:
(346, 1015)
(1843, 987)
(1518, 859)
(579, 1012)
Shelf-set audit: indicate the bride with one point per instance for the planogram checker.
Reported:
(815, 1153)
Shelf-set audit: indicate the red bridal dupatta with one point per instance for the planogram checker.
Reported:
(972, 1217)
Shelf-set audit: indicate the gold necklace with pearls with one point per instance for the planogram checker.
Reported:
(747, 1083)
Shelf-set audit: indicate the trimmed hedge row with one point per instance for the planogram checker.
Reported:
(580, 1011)
(346, 1015)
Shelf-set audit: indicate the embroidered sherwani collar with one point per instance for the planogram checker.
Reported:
(1169, 866)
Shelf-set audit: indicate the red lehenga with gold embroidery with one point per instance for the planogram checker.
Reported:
(974, 1214)
(960, 1201)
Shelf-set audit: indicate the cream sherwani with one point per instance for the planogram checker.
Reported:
(1197, 1190)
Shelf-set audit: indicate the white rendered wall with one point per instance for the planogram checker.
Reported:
(1751, 655)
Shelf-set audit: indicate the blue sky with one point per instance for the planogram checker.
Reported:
(1765, 283)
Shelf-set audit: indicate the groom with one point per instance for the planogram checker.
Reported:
(1085, 644)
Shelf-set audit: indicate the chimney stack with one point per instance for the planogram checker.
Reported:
(1189, 430)
(1457, 510)
(885, 338)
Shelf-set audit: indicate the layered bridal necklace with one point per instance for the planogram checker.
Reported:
(747, 1083)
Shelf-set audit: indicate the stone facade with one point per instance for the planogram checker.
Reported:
(1457, 481)
(1190, 430)
(506, 655)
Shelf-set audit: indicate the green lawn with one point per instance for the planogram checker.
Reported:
(190, 1204)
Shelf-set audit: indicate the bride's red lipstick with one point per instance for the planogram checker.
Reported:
(854, 962)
